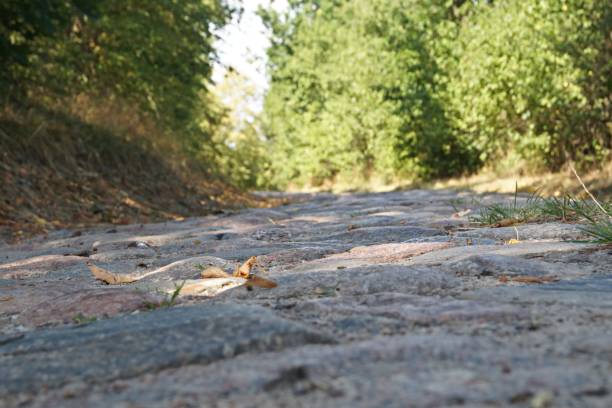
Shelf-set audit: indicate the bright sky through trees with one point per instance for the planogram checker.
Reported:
(242, 45)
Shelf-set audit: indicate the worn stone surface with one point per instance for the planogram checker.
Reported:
(142, 343)
(387, 299)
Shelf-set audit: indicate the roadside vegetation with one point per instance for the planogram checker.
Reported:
(108, 113)
(408, 89)
(595, 216)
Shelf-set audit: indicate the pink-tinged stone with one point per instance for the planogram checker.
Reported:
(38, 266)
(390, 252)
(88, 303)
(291, 257)
(20, 296)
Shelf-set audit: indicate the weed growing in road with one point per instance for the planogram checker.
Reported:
(595, 215)
(501, 214)
(80, 318)
(169, 301)
(601, 231)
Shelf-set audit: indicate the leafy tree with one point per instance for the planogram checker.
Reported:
(355, 92)
(534, 77)
(240, 143)
(154, 53)
(438, 88)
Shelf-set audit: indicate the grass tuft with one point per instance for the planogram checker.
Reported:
(80, 318)
(595, 215)
(169, 301)
(601, 231)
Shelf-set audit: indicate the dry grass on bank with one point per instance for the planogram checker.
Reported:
(105, 165)
(599, 182)
(547, 184)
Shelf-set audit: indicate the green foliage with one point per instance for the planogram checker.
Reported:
(497, 213)
(601, 231)
(354, 92)
(154, 54)
(359, 88)
(595, 216)
(534, 77)
(241, 147)
(433, 89)
(22, 23)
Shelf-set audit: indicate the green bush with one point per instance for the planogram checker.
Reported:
(355, 92)
(156, 55)
(533, 77)
(433, 89)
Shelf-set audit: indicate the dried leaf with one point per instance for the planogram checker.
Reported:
(528, 279)
(513, 241)
(534, 279)
(245, 272)
(245, 269)
(214, 272)
(6, 298)
(506, 222)
(110, 277)
(261, 282)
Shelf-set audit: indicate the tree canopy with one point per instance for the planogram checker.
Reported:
(436, 88)
(157, 54)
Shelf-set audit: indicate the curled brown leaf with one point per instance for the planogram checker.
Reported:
(261, 282)
(110, 277)
(506, 222)
(528, 279)
(244, 271)
(214, 272)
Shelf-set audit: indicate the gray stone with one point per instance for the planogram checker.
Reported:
(389, 299)
(583, 292)
(557, 231)
(351, 282)
(416, 371)
(146, 342)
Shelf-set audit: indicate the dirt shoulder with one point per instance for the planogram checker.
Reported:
(65, 173)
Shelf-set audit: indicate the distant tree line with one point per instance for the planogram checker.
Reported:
(428, 89)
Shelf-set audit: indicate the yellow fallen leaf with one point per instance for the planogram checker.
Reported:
(513, 241)
(244, 271)
(506, 222)
(214, 272)
(261, 282)
(110, 277)
(528, 279)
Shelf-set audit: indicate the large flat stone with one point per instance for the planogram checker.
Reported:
(594, 291)
(352, 282)
(397, 371)
(137, 344)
